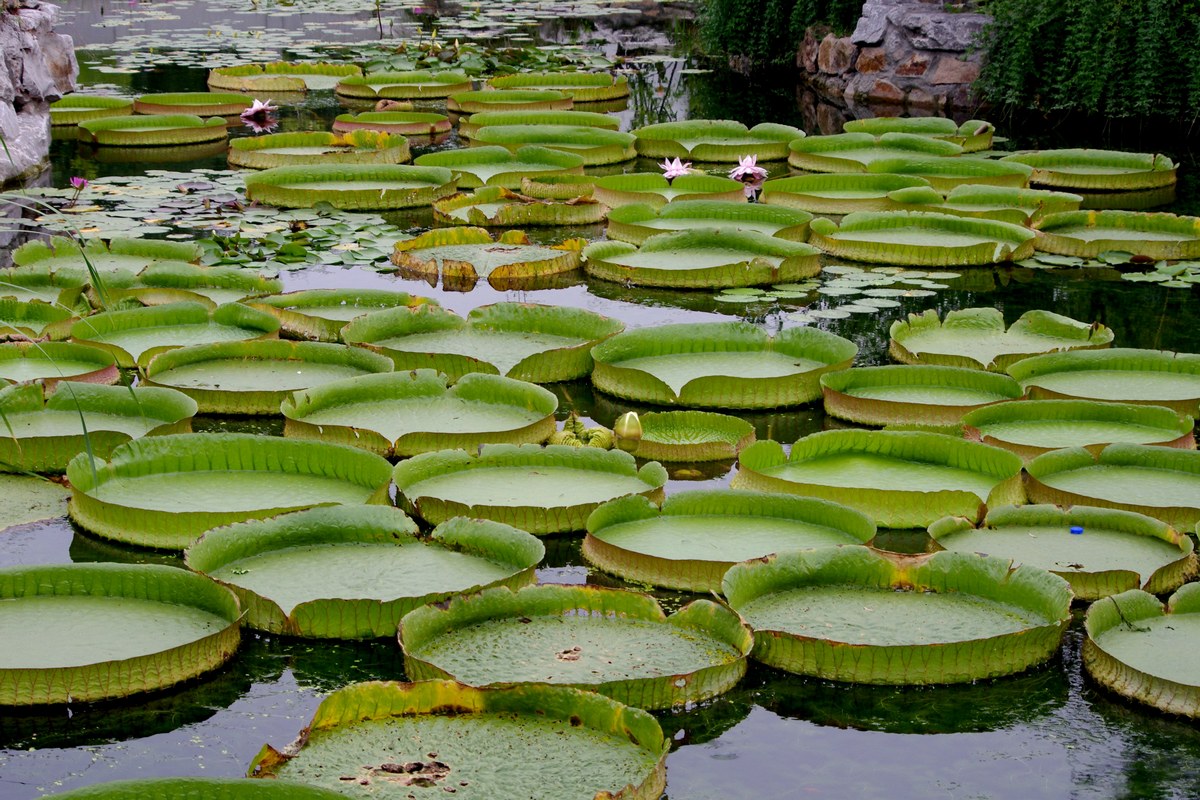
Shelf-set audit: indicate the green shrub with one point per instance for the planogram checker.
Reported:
(769, 31)
(1118, 58)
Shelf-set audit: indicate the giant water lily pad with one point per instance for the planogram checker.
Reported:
(40, 433)
(460, 256)
(719, 365)
(201, 789)
(353, 572)
(76, 108)
(703, 258)
(655, 190)
(593, 746)
(403, 85)
(164, 491)
(153, 130)
(1161, 482)
(636, 223)
(55, 361)
(691, 436)
(715, 140)
(1089, 233)
(699, 535)
(468, 126)
(81, 632)
(509, 100)
(320, 314)
(1034, 427)
(852, 152)
(1097, 170)
(406, 123)
(539, 344)
(838, 193)
(1002, 203)
(405, 413)
(176, 281)
(56, 287)
(497, 206)
(1099, 551)
(615, 642)
(976, 337)
(595, 146)
(944, 173)
(922, 238)
(582, 87)
(136, 336)
(279, 76)
(31, 499)
(899, 479)
(34, 319)
(61, 253)
(1122, 375)
(538, 489)
(356, 187)
(913, 395)
(497, 166)
(858, 615)
(254, 377)
(972, 135)
(1147, 652)
(318, 147)
(202, 104)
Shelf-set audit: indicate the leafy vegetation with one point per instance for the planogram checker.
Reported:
(768, 31)
(1126, 59)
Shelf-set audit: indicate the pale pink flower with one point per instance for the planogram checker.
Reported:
(748, 172)
(260, 117)
(673, 168)
(79, 184)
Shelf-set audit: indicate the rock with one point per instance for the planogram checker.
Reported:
(871, 59)
(835, 55)
(953, 70)
(920, 98)
(941, 31)
(913, 66)
(884, 91)
(810, 47)
(872, 24)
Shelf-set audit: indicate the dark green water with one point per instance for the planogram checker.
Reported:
(1045, 734)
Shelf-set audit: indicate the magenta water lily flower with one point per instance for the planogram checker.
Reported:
(673, 168)
(749, 173)
(78, 183)
(260, 117)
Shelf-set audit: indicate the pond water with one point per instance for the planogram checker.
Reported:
(1048, 733)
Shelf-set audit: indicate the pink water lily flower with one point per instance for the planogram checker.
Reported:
(260, 117)
(673, 168)
(78, 183)
(748, 172)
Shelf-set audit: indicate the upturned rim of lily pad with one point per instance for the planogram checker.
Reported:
(829, 153)
(536, 519)
(101, 366)
(1087, 586)
(1003, 242)
(889, 507)
(690, 435)
(517, 209)
(1035, 591)
(838, 393)
(596, 146)
(526, 161)
(415, 385)
(1056, 168)
(202, 104)
(339, 615)
(1110, 360)
(1002, 203)
(1134, 681)
(972, 135)
(153, 130)
(292, 308)
(474, 102)
(378, 700)
(284, 186)
(716, 140)
(704, 574)
(72, 109)
(946, 172)
(468, 126)
(716, 391)
(1061, 334)
(207, 452)
(701, 619)
(414, 84)
(1056, 234)
(420, 257)
(354, 147)
(119, 678)
(835, 192)
(34, 319)
(406, 123)
(652, 188)
(627, 223)
(582, 87)
(274, 76)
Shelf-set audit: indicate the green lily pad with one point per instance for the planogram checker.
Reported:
(614, 642)
(715, 140)
(908, 395)
(940, 618)
(699, 535)
(352, 573)
(509, 100)
(357, 187)
(637, 222)
(920, 238)
(655, 190)
(164, 491)
(201, 789)
(468, 126)
(1097, 170)
(944, 173)
(76, 108)
(279, 77)
(497, 166)
(406, 413)
(28, 499)
(1087, 234)
(202, 104)
(52, 362)
(320, 314)
(1099, 551)
(972, 135)
(403, 85)
(560, 485)
(596, 146)
(460, 256)
(318, 147)
(692, 436)
(154, 130)
(852, 152)
(838, 193)
(496, 206)
(582, 87)
(899, 479)
(405, 123)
